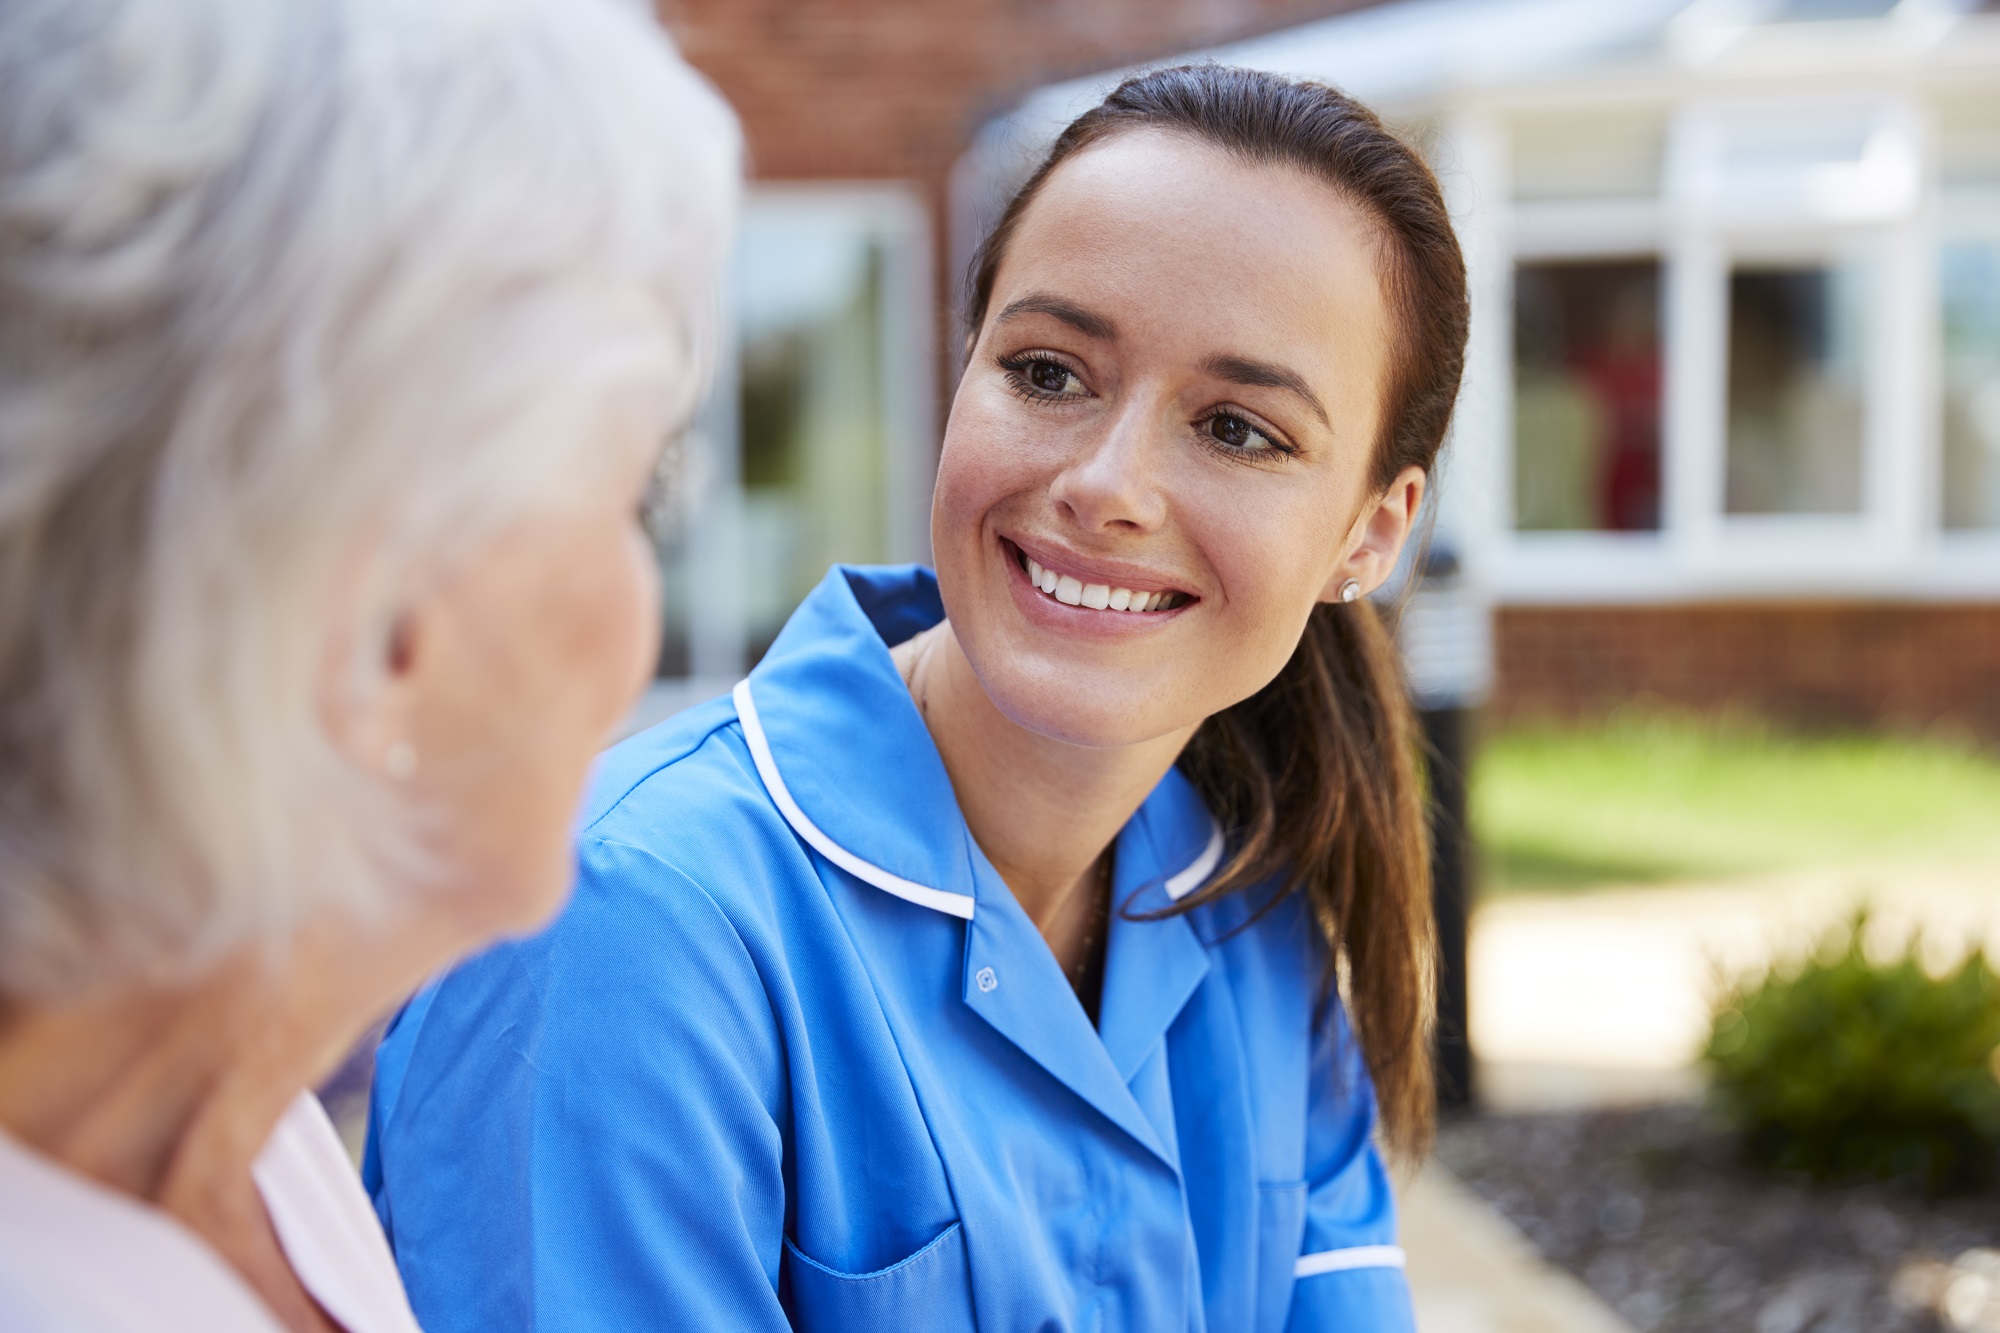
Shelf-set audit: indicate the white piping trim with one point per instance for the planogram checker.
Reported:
(1355, 1256)
(1181, 885)
(952, 904)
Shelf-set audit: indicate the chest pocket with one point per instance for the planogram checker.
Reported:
(930, 1290)
(1281, 1231)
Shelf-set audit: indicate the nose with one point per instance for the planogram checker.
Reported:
(1114, 482)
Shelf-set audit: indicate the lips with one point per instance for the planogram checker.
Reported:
(1075, 589)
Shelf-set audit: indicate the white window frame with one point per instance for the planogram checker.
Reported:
(717, 635)
(1810, 553)
(1896, 547)
(1966, 558)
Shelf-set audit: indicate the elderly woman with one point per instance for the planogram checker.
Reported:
(338, 343)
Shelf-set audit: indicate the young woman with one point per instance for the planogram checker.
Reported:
(1027, 946)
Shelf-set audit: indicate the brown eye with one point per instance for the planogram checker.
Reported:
(1237, 433)
(1050, 377)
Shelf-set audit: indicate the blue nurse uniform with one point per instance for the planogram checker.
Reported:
(794, 1057)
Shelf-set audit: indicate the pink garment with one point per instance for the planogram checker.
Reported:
(76, 1257)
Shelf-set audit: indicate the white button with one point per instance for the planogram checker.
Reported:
(985, 979)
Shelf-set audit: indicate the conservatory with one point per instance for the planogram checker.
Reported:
(1737, 283)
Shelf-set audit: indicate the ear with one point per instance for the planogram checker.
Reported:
(369, 681)
(1375, 542)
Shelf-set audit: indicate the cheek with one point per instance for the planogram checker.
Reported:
(591, 636)
(600, 629)
(1269, 572)
(632, 620)
(991, 459)
(1274, 567)
(976, 466)
(1272, 563)
(585, 637)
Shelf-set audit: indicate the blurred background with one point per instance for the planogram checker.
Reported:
(1709, 641)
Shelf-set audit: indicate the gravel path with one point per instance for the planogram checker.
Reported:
(1651, 1208)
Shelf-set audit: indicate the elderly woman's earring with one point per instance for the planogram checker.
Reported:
(401, 761)
(1350, 590)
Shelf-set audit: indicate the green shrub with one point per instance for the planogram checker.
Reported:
(1839, 1068)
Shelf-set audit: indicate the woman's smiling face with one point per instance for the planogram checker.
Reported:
(1158, 459)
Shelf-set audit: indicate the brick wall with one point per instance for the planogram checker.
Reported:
(871, 89)
(1816, 664)
(895, 89)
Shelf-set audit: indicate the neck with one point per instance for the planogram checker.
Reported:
(168, 1093)
(1044, 811)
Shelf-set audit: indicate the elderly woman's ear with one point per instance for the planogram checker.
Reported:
(401, 657)
(367, 679)
(387, 712)
(487, 690)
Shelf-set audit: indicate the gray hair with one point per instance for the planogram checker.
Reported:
(278, 280)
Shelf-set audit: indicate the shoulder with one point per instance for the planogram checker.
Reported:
(696, 757)
(683, 801)
(79, 1258)
(1265, 946)
(325, 1223)
(681, 862)
(1264, 926)
(677, 837)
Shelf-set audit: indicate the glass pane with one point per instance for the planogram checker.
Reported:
(1846, 161)
(1971, 287)
(1811, 11)
(670, 541)
(1968, 141)
(1587, 396)
(813, 428)
(1605, 154)
(1795, 390)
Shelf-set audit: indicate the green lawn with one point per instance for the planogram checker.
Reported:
(1650, 797)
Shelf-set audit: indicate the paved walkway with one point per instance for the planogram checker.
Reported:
(1603, 997)
(1472, 1272)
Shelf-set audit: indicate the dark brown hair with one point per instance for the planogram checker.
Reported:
(1316, 777)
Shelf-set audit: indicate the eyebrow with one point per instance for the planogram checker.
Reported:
(1086, 322)
(1265, 375)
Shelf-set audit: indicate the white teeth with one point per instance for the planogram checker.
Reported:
(1095, 596)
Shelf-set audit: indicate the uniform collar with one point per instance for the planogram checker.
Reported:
(841, 748)
(846, 757)
(1166, 851)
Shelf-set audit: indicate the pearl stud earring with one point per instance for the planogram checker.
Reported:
(1350, 590)
(401, 761)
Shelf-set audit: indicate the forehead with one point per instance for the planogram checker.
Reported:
(1165, 233)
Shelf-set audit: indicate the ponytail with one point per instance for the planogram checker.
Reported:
(1315, 777)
